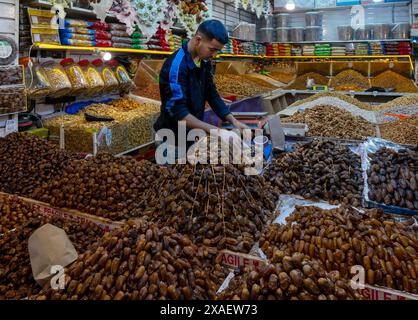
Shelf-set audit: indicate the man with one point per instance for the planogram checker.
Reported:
(186, 83)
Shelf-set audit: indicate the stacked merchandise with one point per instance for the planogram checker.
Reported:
(272, 49)
(159, 41)
(138, 41)
(350, 49)
(308, 50)
(120, 38)
(405, 48)
(43, 26)
(25, 40)
(296, 50)
(396, 48)
(376, 48)
(362, 49)
(231, 47)
(323, 49)
(338, 51)
(85, 33)
(175, 41)
(285, 50)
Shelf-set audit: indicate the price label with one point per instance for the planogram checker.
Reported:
(11, 126)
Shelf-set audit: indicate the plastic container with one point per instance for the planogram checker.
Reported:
(363, 33)
(296, 34)
(313, 33)
(75, 75)
(37, 81)
(265, 22)
(401, 31)
(381, 31)
(12, 99)
(313, 19)
(282, 20)
(57, 78)
(93, 77)
(282, 34)
(266, 35)
(111, 84)
(345, 33)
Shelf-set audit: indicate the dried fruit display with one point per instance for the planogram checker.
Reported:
(139, 262)
(323, 170)
(300, 82)
(16, 279)
(330, 121)
(403, 131)
(290, 277)
(218, 206)
(408, 100)
(393, 177)
(350, 78)
(105, 186)
(343, 237)
(392, 80)
(152, 91)
(340, 96)
(228, 84)
(283, 77)
(254, 78)
(27, 161)
(131, 128)
(13, 213)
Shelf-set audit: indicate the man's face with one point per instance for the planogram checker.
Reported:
(207, 49)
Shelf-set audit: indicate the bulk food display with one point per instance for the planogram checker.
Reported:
(79, 154)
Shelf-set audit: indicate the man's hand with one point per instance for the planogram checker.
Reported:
(237, 124)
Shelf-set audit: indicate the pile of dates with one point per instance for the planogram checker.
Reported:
(393, 178)
(106, 186)
(140, 261)
(294, 277)
(27, 161)
(319, 170)
(343, 237)
(16, 279)
(218, 206)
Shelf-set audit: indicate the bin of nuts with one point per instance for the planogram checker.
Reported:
(57, 78)
(12, 99)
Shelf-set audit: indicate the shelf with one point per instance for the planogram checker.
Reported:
(42, 46)
(227, 55)
(344, 41)
(367, 6)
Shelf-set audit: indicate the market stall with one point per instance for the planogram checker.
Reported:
(79, 96)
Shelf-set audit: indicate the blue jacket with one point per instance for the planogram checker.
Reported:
(185, 88)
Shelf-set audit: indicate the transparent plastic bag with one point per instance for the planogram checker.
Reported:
(111, 83)
(37, 82)
(60, 84)
(93, 77)
(75, 75)
(125, 82)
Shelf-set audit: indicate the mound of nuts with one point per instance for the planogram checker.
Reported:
(106, 186)
(319, 170)
(300, 83)
(218, 206)
(351, 78)
(343, 237)
(137, 262)
(27, 161)
(16, 279)
(238, 85)
(333, 122)
(393, 177)
(290, 277)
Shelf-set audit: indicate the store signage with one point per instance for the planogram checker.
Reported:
(236, 259)
(376, 293)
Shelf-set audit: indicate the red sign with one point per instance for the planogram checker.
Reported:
(235, 260)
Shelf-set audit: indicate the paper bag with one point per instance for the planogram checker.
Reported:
(49, 246)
